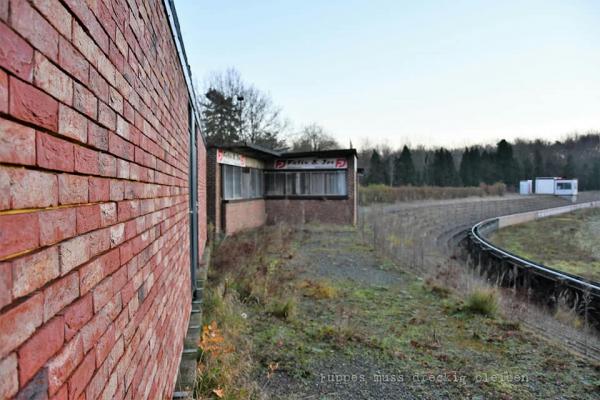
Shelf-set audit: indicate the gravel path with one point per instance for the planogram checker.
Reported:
(336, 254)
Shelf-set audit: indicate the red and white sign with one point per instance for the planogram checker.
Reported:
(312, 163)
(229, 158)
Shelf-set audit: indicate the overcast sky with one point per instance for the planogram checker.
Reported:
(419, 72)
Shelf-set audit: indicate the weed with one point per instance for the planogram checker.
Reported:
(283, 309)
(483, 301)
(319, 289)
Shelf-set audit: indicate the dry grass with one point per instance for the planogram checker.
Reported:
(483, 301)
(387, 194)
(245, 270)
(318, 289)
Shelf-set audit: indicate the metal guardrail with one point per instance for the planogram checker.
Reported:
(575, 281)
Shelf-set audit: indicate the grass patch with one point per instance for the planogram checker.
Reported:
(483, 302)
(281, 330)
(568, 242)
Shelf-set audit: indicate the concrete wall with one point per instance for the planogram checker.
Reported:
(521, 218)
(94, 240)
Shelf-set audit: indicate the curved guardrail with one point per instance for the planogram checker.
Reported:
(483, 228)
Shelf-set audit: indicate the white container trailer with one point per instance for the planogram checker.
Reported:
(556, 186)
(565, 187)
(545, 185)
(526, 187)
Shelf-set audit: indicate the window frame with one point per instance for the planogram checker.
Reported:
(243, 185)
(297, 174)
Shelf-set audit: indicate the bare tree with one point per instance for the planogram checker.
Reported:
(259, 120)
(314, 138)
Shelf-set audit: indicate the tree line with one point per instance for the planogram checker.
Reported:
(576, 157)
(234, 111)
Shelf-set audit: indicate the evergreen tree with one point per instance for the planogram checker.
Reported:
(506, 166)
(220, 118)
(377, 171)
(569, 167)
(595, 175)
(443, 171)
(470, 166)
(404, 169)
(538, 163)
(527, 169)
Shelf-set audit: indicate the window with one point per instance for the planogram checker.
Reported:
(563, 186)
(306, 183)
(241, 183)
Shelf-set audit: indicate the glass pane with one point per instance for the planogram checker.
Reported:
(317, 183)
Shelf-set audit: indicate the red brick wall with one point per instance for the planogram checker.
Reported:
(246, 214)
(94, 240)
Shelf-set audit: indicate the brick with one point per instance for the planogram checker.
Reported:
(87, 17)
(17, 143)
(86, 160)
(84, 43)
(52, 80)
(9, 377)
(19, 323)
(88, 218)
(72, 189)
(116, 101)
(102, 293)
(122, 169)
(97, 136)
(116, 190)
(58, 16)
(32, 105)
(116, 56)
(16, 55)
(99, 241)
(36, 388)
(82, 376)
(33, 271)
(94, 329)
(105, 345)
(107, 70)
(99, 189)
(54, 153)
(18, 232)
(72, 124)
(77, 315)
(106, 116)
(39, 348)
(5, 283)
(62, 394)
(98, 85)
(90, 275)
(85, 101)
(3, 92)
(117, 235)
(56, 225)
(120, 147)
(33, 27)
(33, 189)
(108, 214)
(73, 253)
(4, 11)
(72, 61)
(60, 294)
(61, 365)
(107, 165)
(97, 384)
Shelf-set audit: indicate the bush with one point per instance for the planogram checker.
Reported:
(387, 194)
(483, 301)
(284, 309)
